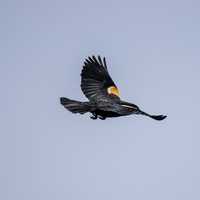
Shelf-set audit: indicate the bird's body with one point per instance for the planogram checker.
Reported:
(104, 101)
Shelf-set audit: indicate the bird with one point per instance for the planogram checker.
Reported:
(102, 93)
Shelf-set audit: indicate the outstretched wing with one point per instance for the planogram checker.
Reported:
(96, 82)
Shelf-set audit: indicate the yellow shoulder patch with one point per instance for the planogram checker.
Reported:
(113, 90)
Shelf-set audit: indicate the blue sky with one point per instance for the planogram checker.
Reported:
(152, 50)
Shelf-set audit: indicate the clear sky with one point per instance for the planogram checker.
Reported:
(152, 50)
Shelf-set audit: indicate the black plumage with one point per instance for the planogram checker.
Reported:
(103, 94)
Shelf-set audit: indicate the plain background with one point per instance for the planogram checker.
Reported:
(152, 50)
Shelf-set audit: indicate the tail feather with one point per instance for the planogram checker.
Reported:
(75, 106)
(156, 117)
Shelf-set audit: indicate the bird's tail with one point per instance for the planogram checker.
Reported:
(156, 117)
(75, 106)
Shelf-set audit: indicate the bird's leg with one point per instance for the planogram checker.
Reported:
(94, 116)
(102, 117)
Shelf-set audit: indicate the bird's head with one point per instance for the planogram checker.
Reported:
(113, 90)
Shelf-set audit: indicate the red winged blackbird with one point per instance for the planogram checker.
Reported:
(103, 95)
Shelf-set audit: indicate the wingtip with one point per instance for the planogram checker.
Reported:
(62, 100)
(100, 61)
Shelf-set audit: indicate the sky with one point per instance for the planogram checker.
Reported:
(152, 51)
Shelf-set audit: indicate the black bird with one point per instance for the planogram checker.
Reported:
(103, 95)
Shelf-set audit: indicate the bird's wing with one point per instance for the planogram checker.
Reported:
(96, 81)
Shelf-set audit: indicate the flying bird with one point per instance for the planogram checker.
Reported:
(104, 97)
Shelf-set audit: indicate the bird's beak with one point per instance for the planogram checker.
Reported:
(113, 90)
